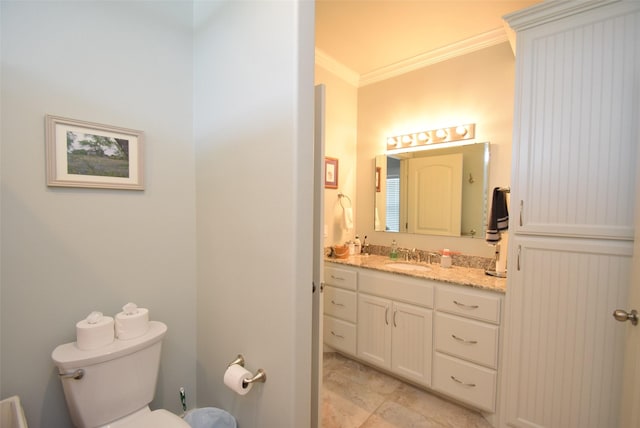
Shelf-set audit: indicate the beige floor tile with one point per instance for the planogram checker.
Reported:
(357, 396)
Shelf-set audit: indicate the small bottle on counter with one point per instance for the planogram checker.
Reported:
(357, 245)
(394, 250)
(445, 260)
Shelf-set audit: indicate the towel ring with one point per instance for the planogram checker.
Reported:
(341, 196)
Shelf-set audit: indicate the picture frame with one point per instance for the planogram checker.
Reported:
(330, 173)
(93, 155)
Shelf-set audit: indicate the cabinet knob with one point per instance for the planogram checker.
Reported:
(622, 316)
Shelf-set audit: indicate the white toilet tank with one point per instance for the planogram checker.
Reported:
(119, 379)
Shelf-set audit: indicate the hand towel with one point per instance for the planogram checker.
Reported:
(348, 218)
(498, 216)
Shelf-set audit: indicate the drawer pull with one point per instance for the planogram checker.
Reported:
(459, 339)
(470, 385)
(337, 304)
(466, 306)
(386, 315)
(394, 318)
(337, 278)
(336, 335)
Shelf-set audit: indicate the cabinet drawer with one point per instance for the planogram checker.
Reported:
(343, 278)
(340, 303)
(472, 340)
(465, 381)
(339, 334)
(469, 303)
(397, 287)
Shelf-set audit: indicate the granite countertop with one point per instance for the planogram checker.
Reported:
(471, 277)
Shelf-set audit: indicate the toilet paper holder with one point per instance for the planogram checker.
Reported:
(260, 376)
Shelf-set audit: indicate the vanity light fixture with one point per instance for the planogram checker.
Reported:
(417, 140)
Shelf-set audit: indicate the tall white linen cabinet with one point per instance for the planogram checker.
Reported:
(573, 191)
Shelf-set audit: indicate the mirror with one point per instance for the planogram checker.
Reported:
(441, 191)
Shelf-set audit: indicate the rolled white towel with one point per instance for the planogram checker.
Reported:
(348, 218)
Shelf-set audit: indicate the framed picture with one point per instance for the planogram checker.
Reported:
(378, 172)
(85, 154)
(330, 173)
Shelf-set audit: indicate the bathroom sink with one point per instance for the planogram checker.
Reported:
(408, 267)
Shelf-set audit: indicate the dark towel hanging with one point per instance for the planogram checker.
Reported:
(498, 216)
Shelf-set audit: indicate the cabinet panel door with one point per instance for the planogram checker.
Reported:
(564, 349)
(374, 330)
(575, 124)
(411, 342)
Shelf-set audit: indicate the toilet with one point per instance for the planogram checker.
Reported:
(112, 386)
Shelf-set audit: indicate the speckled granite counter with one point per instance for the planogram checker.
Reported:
(455, 275)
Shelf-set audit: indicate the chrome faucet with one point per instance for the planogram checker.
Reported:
(430, 257)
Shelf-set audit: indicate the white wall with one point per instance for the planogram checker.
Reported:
(340, 142)
(474, 88)
(66, 252)
(254, 147)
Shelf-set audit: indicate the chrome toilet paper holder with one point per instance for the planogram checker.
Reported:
(260, 376)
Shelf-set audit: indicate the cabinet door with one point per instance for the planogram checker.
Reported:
(411, 342)
(575, 125)
(564, 349)
(374, 330)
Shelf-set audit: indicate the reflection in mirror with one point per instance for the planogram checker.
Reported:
(441, 191)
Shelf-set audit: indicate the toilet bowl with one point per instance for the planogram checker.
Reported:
(112, 386)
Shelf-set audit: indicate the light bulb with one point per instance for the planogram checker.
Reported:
(461, 131)
(441, 133)
(423, 136)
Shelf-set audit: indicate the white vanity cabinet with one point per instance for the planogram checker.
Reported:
(395, 321)
(439, 335)
(466, 339)
(340, 309)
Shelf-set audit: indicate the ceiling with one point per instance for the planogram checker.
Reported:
(368, 35)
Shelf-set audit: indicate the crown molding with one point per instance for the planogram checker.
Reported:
(550, 11)
(345, 73)
(463, 47)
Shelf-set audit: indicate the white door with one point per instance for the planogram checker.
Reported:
(630, 406)
(318, 264)
(435, 195)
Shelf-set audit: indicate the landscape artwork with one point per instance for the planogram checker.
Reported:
(89, 154)
(94, 155)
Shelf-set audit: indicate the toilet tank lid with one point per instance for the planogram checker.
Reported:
(69, 356)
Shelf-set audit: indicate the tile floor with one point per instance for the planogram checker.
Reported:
(357, 396)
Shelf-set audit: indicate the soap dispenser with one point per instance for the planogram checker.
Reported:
(394, 250)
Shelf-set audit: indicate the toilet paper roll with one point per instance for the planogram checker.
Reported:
(94, 332)
(130, 326)
(234, 379)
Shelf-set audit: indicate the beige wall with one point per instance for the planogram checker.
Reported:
(341, 101)
(474, 88)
